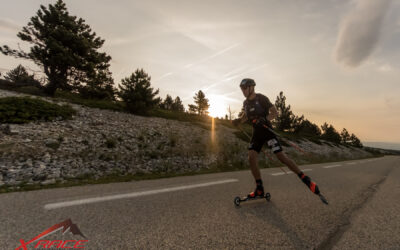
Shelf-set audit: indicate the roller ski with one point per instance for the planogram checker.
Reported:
(312, 186)
(257, 194)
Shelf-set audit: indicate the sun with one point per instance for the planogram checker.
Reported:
(217, 106)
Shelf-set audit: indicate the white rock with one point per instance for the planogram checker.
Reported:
(47, 157)
(47, 182)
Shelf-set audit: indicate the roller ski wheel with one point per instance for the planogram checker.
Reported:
(238, 200)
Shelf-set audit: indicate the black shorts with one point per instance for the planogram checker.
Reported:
(262, 135)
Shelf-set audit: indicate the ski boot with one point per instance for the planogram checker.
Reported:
(312, 186)
(257, 194)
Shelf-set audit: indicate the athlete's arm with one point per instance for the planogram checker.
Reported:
(241, 119)
(273, 113)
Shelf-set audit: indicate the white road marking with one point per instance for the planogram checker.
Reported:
(282, 173)
(350, 163)
(131, 195)
(333, 166)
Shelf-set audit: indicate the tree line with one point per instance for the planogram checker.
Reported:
(287, 121)
(67, 50)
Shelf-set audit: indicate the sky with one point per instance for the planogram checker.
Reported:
(336, 61)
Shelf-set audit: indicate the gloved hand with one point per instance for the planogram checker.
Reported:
(236, 122)
(261, 122)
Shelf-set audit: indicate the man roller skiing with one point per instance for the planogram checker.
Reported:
(260, 111)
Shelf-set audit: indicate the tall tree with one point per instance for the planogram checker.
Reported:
(355, 141)
(285, 119)
(201, 104)
(167, 103)
(329, 133)
(136, 92)
(177, 105)
(345, 136)
(64, 46)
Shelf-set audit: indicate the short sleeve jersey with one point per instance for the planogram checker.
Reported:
(258, 107)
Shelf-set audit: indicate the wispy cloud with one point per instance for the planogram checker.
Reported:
(212, 56)
(236, 76)
(205, 59)
(9, 25)
(360, 32)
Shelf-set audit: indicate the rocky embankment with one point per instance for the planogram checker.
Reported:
(97, 143)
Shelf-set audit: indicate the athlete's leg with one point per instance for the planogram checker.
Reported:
(288, 162)
(307, 180)
(253, 162)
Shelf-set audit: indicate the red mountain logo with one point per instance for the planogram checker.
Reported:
(65, 226)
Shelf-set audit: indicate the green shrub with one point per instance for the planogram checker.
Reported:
(92, 103)
(26, 109)
(31, 90)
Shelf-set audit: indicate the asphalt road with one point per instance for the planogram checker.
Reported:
(197, 212)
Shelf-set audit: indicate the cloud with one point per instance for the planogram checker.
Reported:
(233, 77)
(205, 59)
(9, 25)
(385, 67)
(360, 31)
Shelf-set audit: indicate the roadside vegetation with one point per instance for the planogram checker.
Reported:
(74, 69)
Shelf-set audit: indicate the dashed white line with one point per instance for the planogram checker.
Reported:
(282, 173)
(333, 166)
(132, 195)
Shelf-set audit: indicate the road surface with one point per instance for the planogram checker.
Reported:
(197, 212)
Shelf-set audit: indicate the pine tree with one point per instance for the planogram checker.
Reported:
(285, 119)
(201, 104)
(65, 47)
(355, 141)
(136, 92)
(167, 103)
(20, 76)
(177, 105)
(329, 133)
(345, 136)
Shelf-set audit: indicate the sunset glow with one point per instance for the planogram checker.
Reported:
(218, 108)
